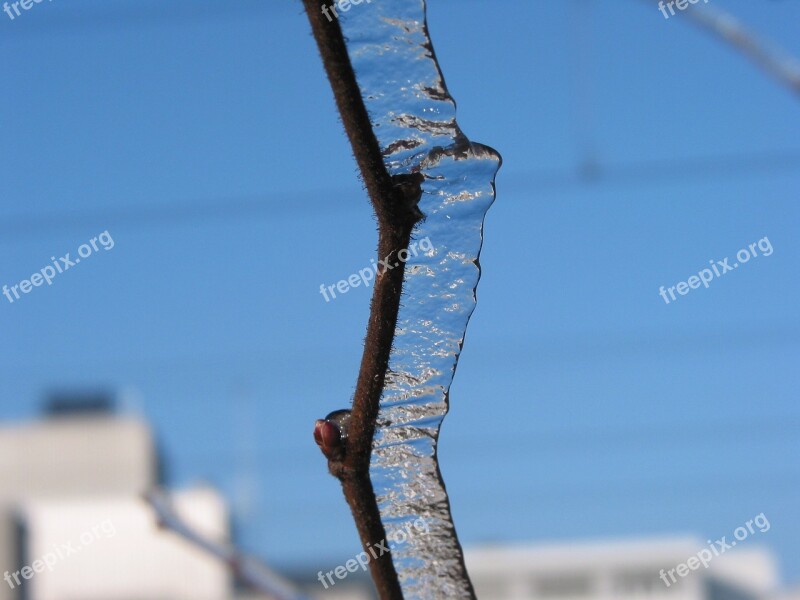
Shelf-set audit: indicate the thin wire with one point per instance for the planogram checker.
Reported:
(652, 172)
(583, 96)
(167, 214)
(656, 172)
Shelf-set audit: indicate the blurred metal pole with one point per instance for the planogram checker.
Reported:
(250, 570)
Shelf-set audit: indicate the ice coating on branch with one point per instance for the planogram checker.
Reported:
(413, 117)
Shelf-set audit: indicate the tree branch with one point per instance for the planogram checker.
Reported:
(394, 200)
(723, 25)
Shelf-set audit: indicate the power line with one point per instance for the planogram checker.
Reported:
(657, 172)
(517, 346)
(279, 204)
(284, 204)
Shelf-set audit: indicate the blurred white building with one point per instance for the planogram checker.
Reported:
(74, 524)
(619, 570)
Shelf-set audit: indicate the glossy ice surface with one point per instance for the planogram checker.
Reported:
(413, 117)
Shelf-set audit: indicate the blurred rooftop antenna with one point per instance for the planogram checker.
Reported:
(131, 401)
(581, 41)
(245, 448)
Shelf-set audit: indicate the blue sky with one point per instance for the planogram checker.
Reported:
(203, 137)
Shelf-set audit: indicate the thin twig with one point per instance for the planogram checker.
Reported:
(250, 571)
(725, 26)
(394, 202)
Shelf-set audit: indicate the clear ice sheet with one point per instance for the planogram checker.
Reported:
(413, 117)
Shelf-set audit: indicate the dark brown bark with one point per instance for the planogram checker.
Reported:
(394, 200)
